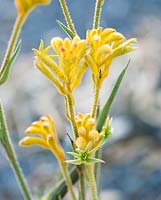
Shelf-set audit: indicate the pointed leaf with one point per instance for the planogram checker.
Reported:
(104, 113)
(76, 155)
(94, 160)
(74, 162)
(108, 134)
(5, 71)
(66, 29)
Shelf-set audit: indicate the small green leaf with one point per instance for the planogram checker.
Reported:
(66, 29)
(107, 134)
(4, 73)
(76, 155)
(104, 113)
(74, 162)
(94, 160)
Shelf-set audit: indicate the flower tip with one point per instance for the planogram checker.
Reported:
(36, 52)
(24, 141)
(28, 130)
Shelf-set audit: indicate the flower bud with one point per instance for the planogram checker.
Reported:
(81, 143)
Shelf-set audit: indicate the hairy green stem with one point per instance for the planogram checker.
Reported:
(82, 183)
(93, 114)
(67, 15)
(92, 181)
(97, 13)
(66, 175)
(75, 130)
(13, 40)
(97, 169)
(95, 103)
(8, 147)
(72, 114)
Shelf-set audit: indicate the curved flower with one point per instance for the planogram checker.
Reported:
(105, 45)
(67, 74)
(25, 6)
(45, 128)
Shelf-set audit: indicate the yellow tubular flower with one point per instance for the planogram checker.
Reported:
(65, 67)
(45, 128)
(87, 136)
(25, 6)
(105, 45)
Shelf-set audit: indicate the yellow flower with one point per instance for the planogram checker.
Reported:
(65, 67)
(45, 128)
(25, 6)
(105, 45)
(87, 136)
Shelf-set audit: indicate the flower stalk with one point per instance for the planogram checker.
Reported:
(97, 13)
(8, 147)
(92, 181)
(72, 114)
(82, 183)
(13, 40)
(95, 102)
(66, 175)
(67, 15)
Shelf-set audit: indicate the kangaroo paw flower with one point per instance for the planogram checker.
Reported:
(47, 139)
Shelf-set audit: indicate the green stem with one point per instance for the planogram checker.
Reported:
(97, 169)
(13, 40)
(97, 13)
(92, 181)
(82, 183)
(69, 99)
(66, 175)
(72, 114)
(67, 16)
(8, 147)
(95, 103)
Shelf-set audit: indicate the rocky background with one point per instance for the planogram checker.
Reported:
(133, 153)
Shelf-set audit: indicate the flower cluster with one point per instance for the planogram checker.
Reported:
(74, 56)
(67, 74)
(105, 45)
(88, 138)
(25, 6)
(48, 137)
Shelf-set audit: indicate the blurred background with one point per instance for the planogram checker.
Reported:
(133, 154)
